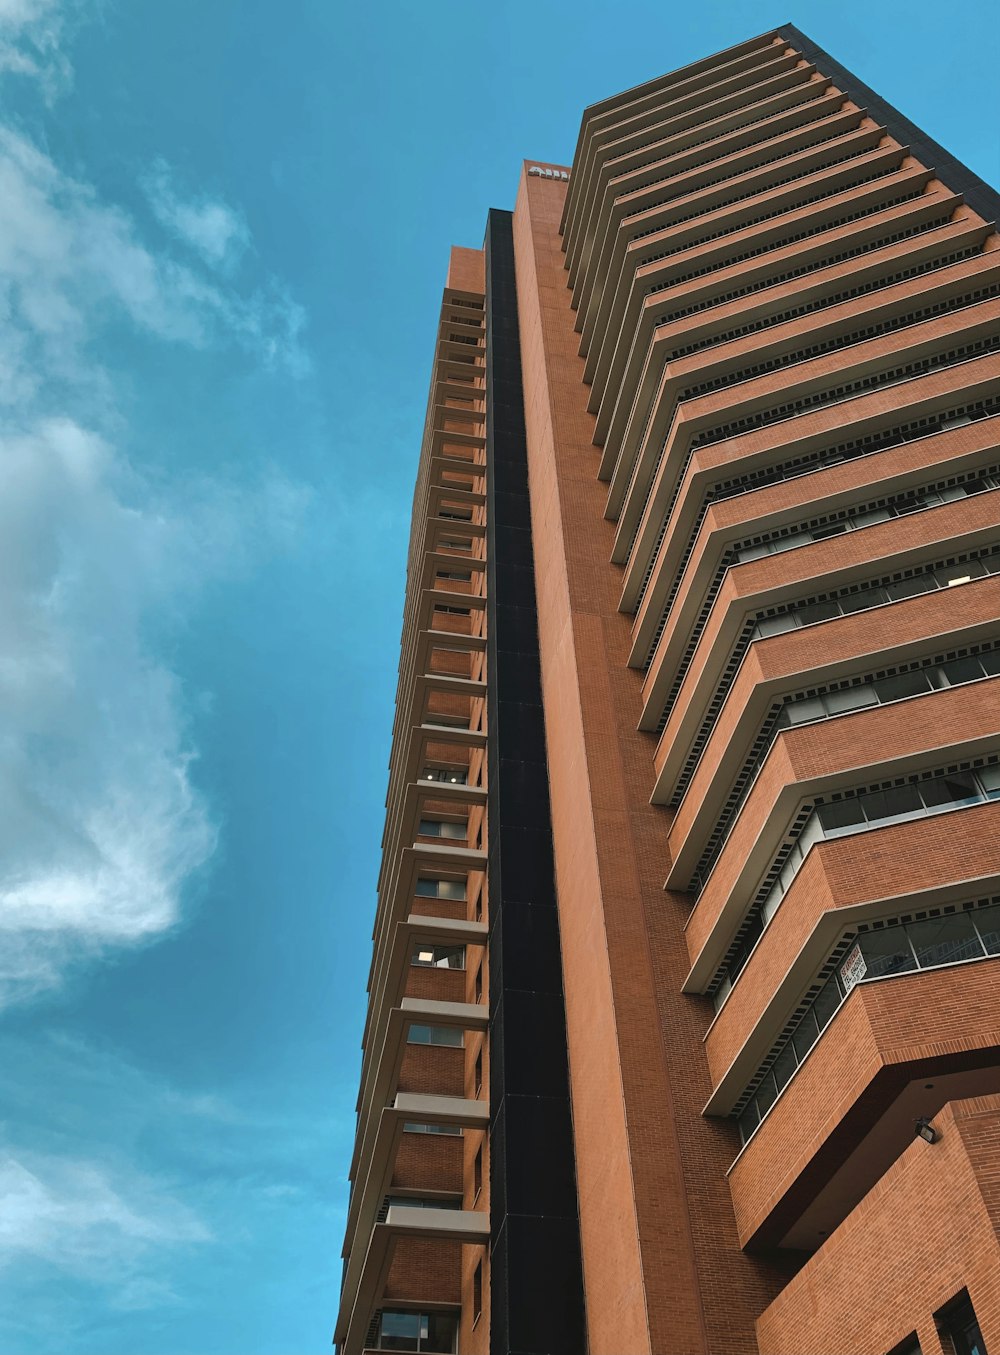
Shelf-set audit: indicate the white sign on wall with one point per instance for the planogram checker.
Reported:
(853, 969)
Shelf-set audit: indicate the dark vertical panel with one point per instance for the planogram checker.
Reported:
(950, 170)
(536, 1291)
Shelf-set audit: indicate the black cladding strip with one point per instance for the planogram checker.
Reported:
(534, 1226)
(980, 196)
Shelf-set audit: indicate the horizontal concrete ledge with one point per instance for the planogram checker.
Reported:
(467, 1015)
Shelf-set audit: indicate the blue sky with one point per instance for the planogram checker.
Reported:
(223, 233)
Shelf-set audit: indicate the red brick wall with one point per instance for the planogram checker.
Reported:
(926, 1230)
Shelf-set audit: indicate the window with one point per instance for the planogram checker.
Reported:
(438, 957)
(440, 889)
(439, 1035)
(959, 1324)
(452, 776)
(478, 1077)
(456, 543)
(804, 536)
(809, 614)
(479, 982)
(430, 1332)
(911, 1346)
(459, 575)
(878, 809)
(413, 1127)
(443, 828)
(477, 1174)
(477, 1293)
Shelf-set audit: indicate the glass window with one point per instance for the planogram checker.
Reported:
(846, 816)
(453, 776)
(870, 518)
(749, 553)
(442, 1333)
(438, 957)
(910, 588)
(774, 625)
(805, 1034)
(987, 922)
(990, 779)
(440, 889)
(899, 802)
(944, 940)
(957, 671)
(749, 1120)
(477, 1292)
(400, 1331)
(827, 1002)
(438, 1035)
(962, 1326)
(413, 1127)
(949, 790)
(901, 685)
(785, 1065)
(802, 711)
(991, 662)
(830, 529)
(442, 828)
(886, 952)
(434, 1333)
(955, 574)
(859, 602)
(767, 1094)
(851, 698)
(817, 611)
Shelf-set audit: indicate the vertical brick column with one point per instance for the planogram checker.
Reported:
(536, 1291)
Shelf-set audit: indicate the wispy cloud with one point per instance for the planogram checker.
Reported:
(122, 1188)
(32, 33)
(213, 229)
(101, 827)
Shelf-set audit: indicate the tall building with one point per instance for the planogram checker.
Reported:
(684, 1022)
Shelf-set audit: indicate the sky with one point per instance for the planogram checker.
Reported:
(224, 228)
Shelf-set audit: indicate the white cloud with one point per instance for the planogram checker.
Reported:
(31, 34)
(101, 827)
(76, 1216)
(210, 227)
(68, 261)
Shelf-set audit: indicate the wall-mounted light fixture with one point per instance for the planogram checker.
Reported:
(923, 1129)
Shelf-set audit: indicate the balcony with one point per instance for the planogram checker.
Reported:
(776, 826)
(896, 1050)
(752, 719)
(843, 884)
